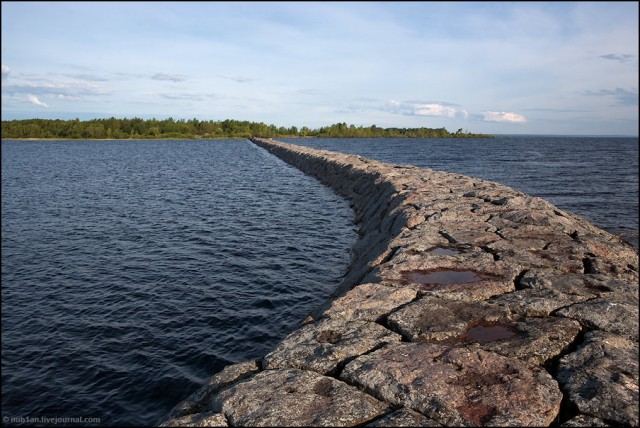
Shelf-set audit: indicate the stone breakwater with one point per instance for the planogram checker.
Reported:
(467, 303)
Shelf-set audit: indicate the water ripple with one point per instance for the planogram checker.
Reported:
(132, 271)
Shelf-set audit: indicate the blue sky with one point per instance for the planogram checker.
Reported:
(495, 67)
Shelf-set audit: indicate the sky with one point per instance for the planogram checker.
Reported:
(568, 68)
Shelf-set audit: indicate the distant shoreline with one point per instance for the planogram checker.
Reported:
(127, 139)
(219, 138)
(136, 128)
(496, 136)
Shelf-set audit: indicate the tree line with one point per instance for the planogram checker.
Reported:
(136, 128)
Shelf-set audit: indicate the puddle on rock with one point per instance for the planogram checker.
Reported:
(486, 334)
(444, 251)
(443, 277)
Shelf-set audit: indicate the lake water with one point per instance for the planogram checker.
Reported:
(134, 270)
(594, 177)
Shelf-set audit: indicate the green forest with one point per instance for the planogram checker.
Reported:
(137, 128)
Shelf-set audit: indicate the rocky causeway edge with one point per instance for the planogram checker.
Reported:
(467, 303)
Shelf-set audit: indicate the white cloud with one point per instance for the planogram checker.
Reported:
(431, 109)
(5, 71)
(42, 86)
(437, 110)
(495, 116)
(67, 97)
(189, 96)
(89, 77)
(34, 100)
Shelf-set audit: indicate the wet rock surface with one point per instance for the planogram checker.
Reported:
(503, 303)
(436, 319)
(535, 340)
(484, 325)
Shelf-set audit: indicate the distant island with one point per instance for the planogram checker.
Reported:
(136, 128)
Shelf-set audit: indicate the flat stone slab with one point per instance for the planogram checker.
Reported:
(324, 345)
(609, 255)
(538, 212)
(537, 302)
(369, 302)
(485, 325)
(544, 291)
(528, 236)
(535, 340)
(206, 419)
(451, 278)
(296, 398)
(199, 401)
(584, 421)
(601, 378)
(436, 319)
(420, 238)
(404, 418)
(605, 315)
(462, 235)
(418, 253)
(536, 252)
(586, 286)
(458, 386)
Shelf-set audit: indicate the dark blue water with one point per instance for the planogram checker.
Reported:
(134, 270)
(594, 177)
